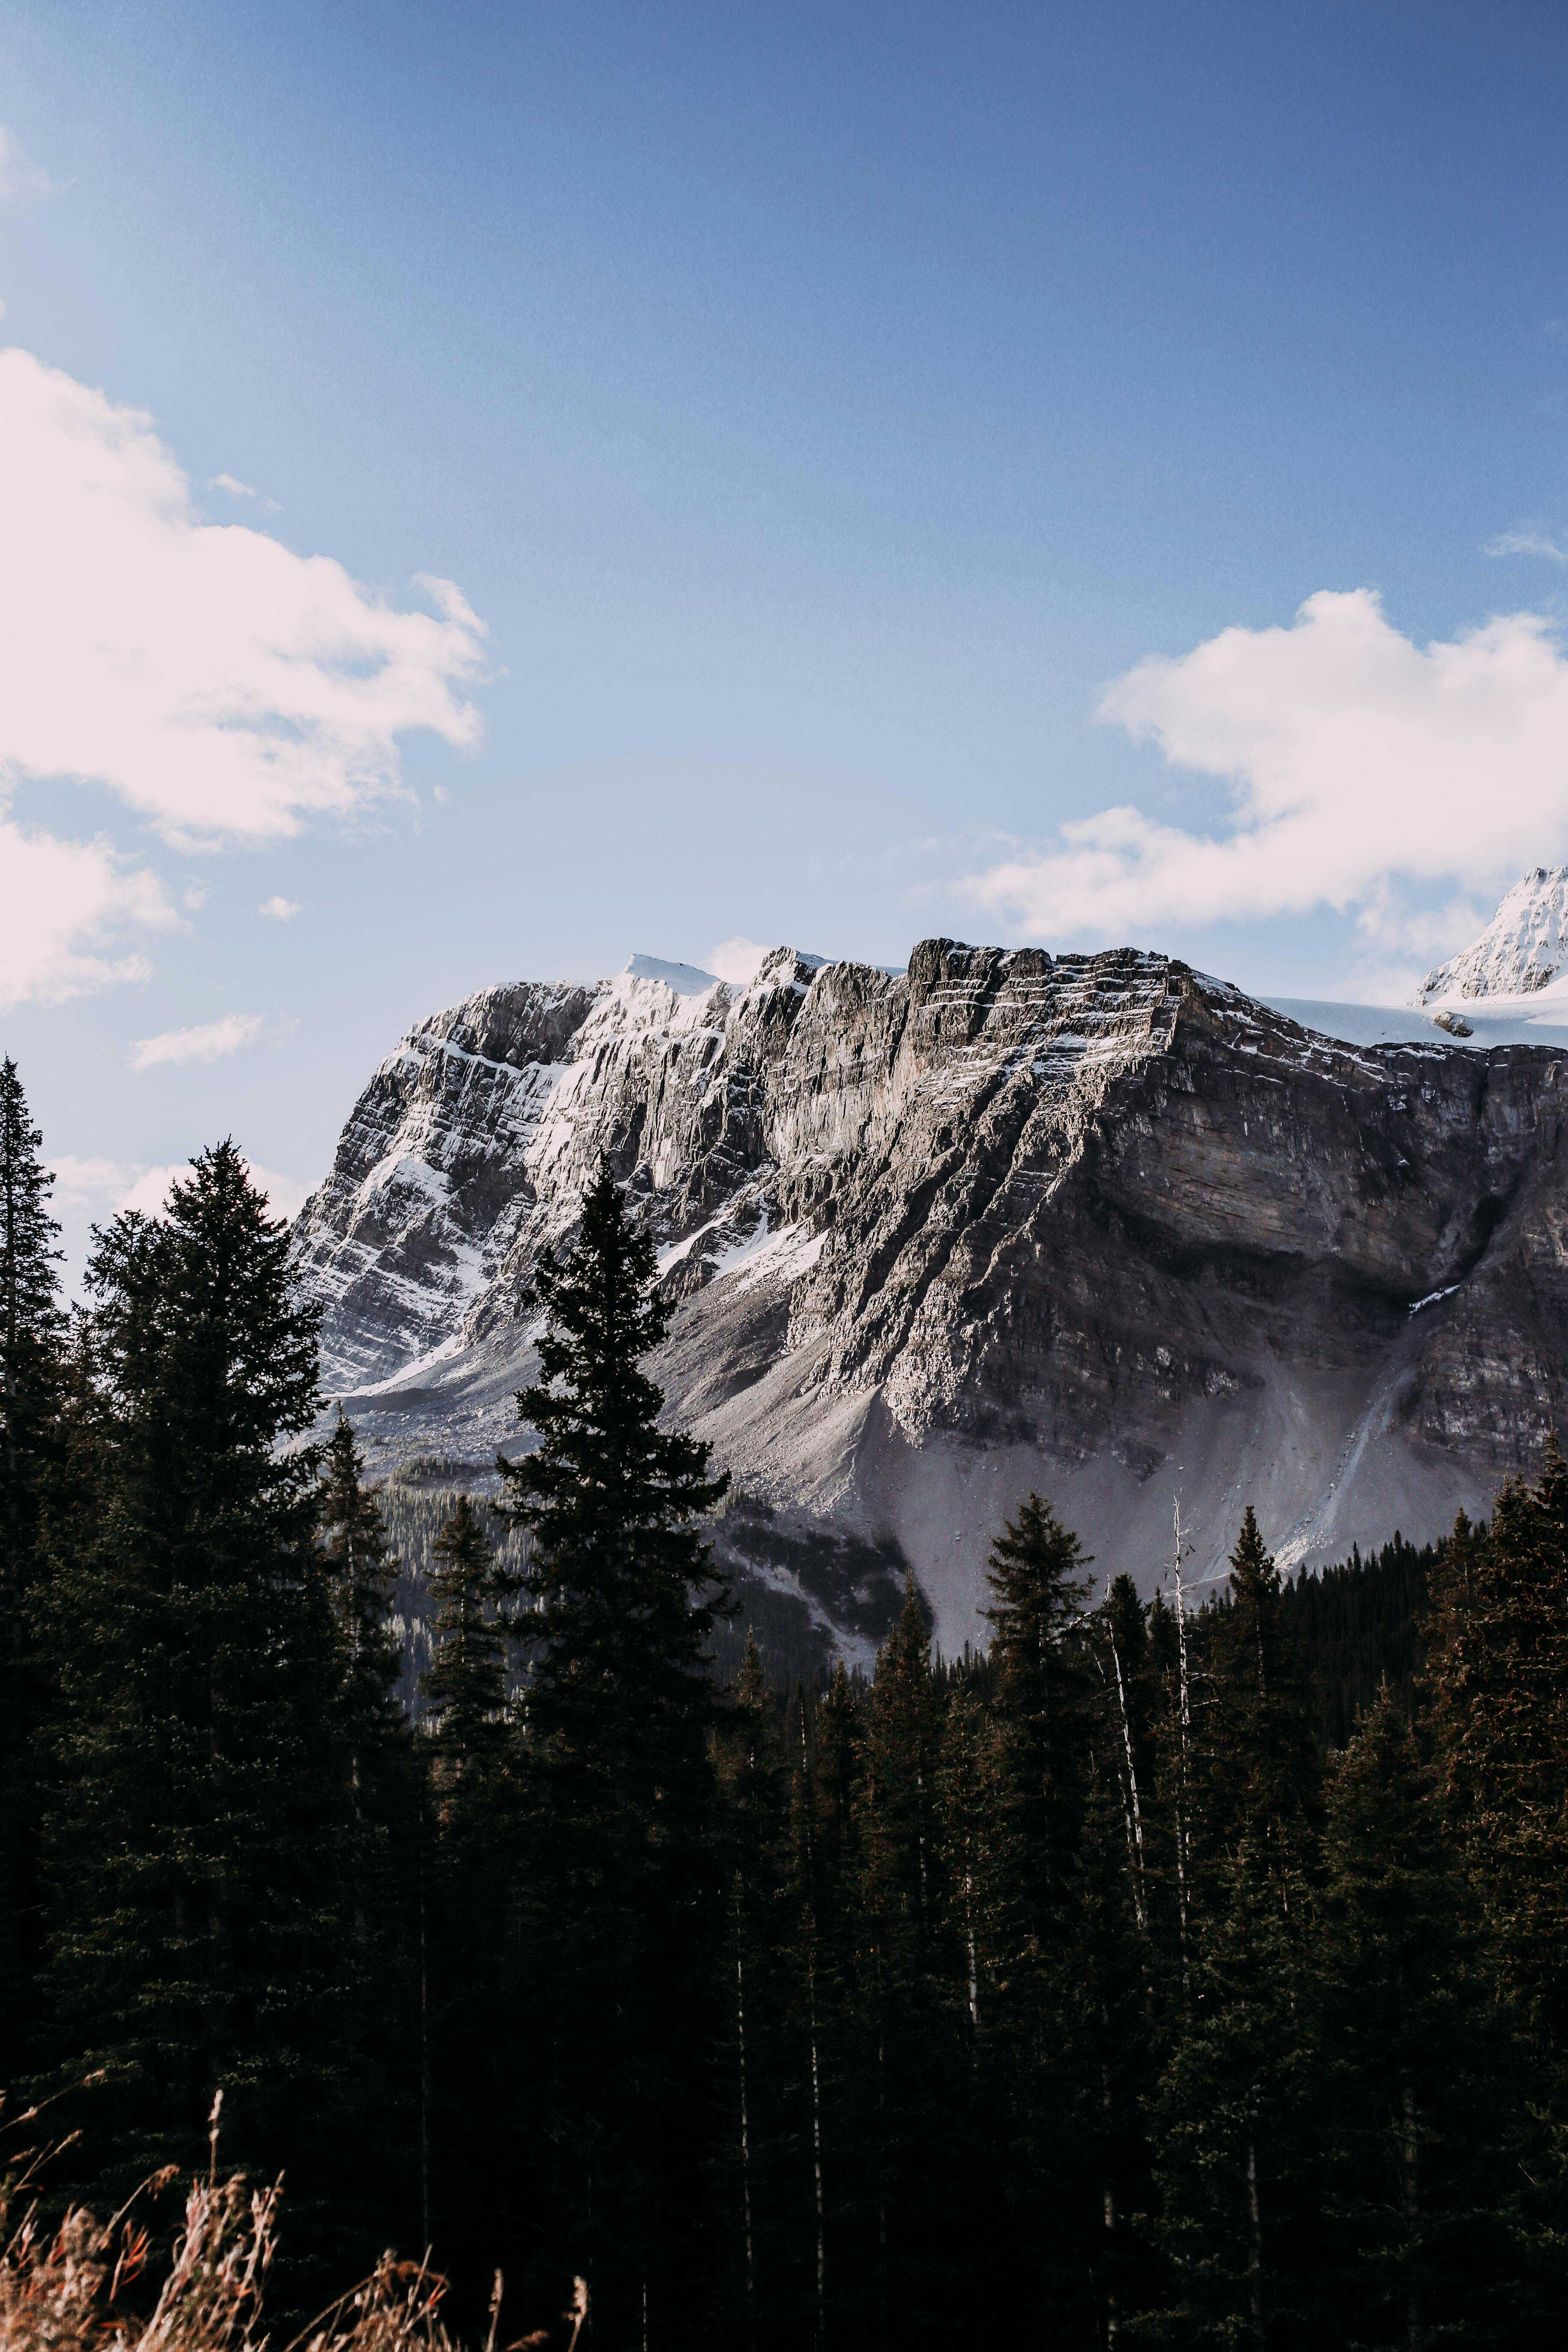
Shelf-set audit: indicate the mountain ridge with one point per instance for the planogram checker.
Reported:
(1098, 1224)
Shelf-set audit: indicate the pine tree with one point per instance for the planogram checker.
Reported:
(1232, 2124)
(1038, 1589)
(1262, 1773)
(619, 1710)
(912, 2036)
(1042, 1707)
(378, 1891)
(821, 1898)
(478, 2184)
(199, 1820)
(464, 1685)
(1499, 1667)
(763, 2231)
(1422, 2161)
(31, 1328)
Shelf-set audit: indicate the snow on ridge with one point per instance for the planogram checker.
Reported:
(1520, 953)
(685, 979)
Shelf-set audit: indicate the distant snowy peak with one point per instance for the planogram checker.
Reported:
(685, 979)
(1523, 950)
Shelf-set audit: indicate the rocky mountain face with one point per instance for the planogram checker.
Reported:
(1523, 948)
(1094, 1224)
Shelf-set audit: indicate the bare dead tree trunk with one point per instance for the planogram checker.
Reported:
(811, 2020)
(1255, 2260)
(1112, 2309)
(1411, 2154)
(745, 2126)
(1184, 1743)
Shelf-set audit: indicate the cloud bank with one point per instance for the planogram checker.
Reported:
(225, 688)
(66, 908)
(1360, 762)
(208, 1043)
(95, 1185)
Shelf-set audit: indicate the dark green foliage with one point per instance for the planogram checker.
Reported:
(625, 1884)
(464, 1685)
(1357, 1626)
(31, 1438)
(413, 1513)
(1422, 2158)
(201, 1816)
(1149, 1980)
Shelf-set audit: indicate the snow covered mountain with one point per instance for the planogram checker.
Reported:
(1522, 950)
(1096, 1225)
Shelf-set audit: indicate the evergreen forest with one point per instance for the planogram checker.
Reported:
(1166, 1975)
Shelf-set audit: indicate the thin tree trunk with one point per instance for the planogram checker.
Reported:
(1254, 2260)
(745, 2128)
(1132, 1815)
(424, 2048)
(1411, 2153)
(1113, 2310)
(811, 2015)
(1184, 1727)
(816, 2160)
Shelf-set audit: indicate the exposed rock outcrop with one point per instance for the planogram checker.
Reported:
(1523, 948)
(1094, 1224)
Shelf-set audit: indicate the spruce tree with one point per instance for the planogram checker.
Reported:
(1260, 1771)
(1038, 1588)
(761, 2219)
(465, 1683)
(1423, 2164)
(479, 2183)
(1499, 1667)
(912, 2036)
(1233, 2129)
(1043, 1712)
(832, 2148)
(378, 1892)
(31, 1329)
(200, 1812)
(626, 1872)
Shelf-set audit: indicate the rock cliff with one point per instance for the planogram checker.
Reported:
(1098, 1225)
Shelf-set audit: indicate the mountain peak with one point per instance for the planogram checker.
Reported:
(1523, 948)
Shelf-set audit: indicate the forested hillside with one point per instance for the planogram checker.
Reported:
(1159, 1977)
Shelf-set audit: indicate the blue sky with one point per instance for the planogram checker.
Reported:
(872, 440)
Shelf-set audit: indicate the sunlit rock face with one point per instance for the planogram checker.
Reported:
(1093, 1224)
(1522, 950)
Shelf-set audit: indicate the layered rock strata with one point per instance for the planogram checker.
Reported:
(1096, 1225)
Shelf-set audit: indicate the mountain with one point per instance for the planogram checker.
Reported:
(1522, 950)
(1097, 1224)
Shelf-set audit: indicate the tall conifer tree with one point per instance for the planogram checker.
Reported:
(626, 1875)
(1499, 1668)
(1423, 2165)
(200, 1815)
(31, 1328)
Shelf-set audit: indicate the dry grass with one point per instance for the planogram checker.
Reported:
(68, 2289)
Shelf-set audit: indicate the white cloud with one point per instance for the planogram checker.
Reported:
(112, 1185)
(735, 961)
(207, 1043)
(64, 910)
(1526, 541)
(281, 910)
(19, 180)
(227, 688)
(1360, 763)
(149, 1190)
(235, 488)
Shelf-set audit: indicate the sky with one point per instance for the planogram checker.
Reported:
(488, 490)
